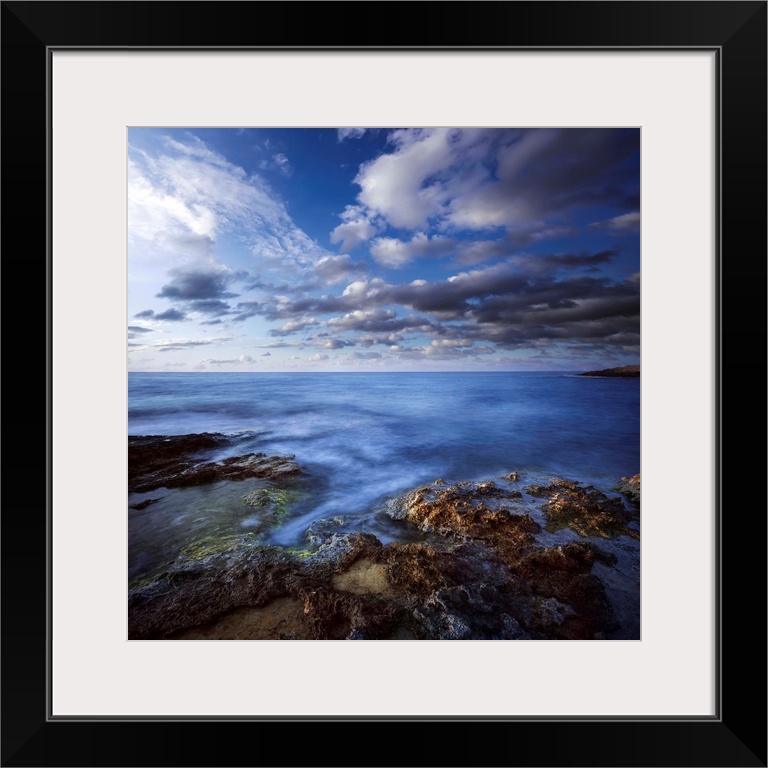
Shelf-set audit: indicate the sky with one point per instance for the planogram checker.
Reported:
(383, 249)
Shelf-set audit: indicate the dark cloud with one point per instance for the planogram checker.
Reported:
(214, 307)
(196, 284)
(175, 346)
(146, 314)
(570, 261)
(267, 354)
(138, 329)
(171, 315)
(245, 309)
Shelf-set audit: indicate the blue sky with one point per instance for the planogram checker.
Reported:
(383, 249)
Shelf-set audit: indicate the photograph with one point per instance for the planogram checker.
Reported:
(373, 340)
(384, 383)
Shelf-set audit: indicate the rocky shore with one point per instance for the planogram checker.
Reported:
(624, 371)
(480, 573)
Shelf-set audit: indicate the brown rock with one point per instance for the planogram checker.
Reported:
(157, 461)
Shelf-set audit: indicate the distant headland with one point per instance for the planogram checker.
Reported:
(625, 371)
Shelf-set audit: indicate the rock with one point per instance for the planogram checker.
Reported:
(157, 461)
(144, 504)
(630, 486)
(623, 372)
(512, 477)
(583, 509)
(487, 580)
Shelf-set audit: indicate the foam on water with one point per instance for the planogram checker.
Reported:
(363, 437)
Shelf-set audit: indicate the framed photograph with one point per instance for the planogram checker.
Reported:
(339, 246)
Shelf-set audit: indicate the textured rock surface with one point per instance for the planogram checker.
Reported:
(583, 509)
(630, 486)
(157, 461)
(487, 580)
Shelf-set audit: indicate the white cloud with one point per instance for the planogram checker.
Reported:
(350, 133)
(278, 162)
(241, 360)
(393, 185)
(394, 253)
(477, 179)
(361, 317)
(297, 324)
(181, 200)
(627, 222)
(355, 228)
(318, 358)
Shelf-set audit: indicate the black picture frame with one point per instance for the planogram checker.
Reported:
(736, 736)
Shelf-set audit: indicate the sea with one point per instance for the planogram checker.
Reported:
(364, 438)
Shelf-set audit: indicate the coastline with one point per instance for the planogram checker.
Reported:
(498, 559)
(622, 372)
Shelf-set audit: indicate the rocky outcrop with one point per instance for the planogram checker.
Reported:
(630, 486)
(624, 371)
(160, 461)
(482, 576)
(583, 509)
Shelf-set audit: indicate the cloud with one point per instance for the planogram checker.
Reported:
(627, 222)
(280, 345)
(169, 315)
(267, 354)
(246, 309)
(330, 270)
(394, 253)
(336, 343)
(549, 262)
(183, 197)
(293, 326)
(175, 345)
(241, 360)
(349, 133)
(318, 357)
(398, 186)
(278, 162)
(356, 227)
(377, 321)
(214, 307)
(527, 181)
(139, 329)
(196, 283)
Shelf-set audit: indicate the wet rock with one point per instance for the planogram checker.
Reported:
(157, 461)
(630, 486)
(465, 510)
(512, 477)
(488, 581)
(583, 509)
(144, 504)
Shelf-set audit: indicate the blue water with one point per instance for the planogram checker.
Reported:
(373, 435)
